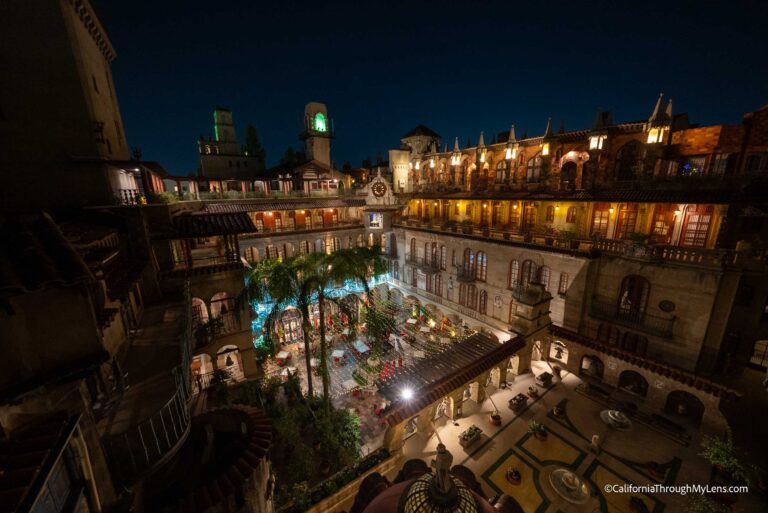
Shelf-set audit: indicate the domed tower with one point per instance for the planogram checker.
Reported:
(318, 132)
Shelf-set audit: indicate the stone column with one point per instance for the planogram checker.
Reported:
(454, 404)
(393, 437)
(424, 423)
(501, 376)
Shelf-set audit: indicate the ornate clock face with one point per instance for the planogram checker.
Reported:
(379, 189)
(320, 123)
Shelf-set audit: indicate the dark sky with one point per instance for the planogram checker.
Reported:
(458, 67)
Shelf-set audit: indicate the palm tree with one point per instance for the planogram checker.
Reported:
(359, 264)
(283, 284)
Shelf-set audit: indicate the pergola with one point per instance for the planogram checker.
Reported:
(431, 379)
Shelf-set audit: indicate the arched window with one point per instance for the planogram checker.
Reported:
(482, 307)
(512, 311)
(304, 247)
(633, 297)
(514, 274)
(542, 276)
(533, 169)
(468, 263)
(600, 214)
(562, 287)
(528, 274)
(570, 215)
(471, 297)
(413, 249)
(630, 161)
(529, 217)
(438, 285)
(433, 255)
(443, 257)
(550, 217)
(482, 266)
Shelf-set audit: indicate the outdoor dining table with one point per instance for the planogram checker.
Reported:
(283, 357)
(412, 321)
(418, 354)
(338, 356)
(425, 329)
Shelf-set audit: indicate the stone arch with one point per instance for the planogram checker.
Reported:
(592, 367)
(568, 173)
(228, 359)
(220, 304)
(634, 383)
(685, 404)
(202, 368)
(199, 311)
(513, 366)
(558, 351)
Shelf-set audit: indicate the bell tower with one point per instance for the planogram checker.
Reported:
(318, 132)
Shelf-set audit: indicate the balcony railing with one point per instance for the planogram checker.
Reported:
(298, 228)
(427, 264)
(240, 195)
(128, 196)
(607, 310)
(152, 441)
(466, 274)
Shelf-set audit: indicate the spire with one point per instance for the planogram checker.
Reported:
(548, 131)
(456, 144)
(481, 141)
(511, 137)
(656, 115)
(668, 111)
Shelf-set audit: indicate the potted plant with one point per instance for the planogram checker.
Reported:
(466, 226)
(495, 418)
(533, 392)
(638, 238)
(721, 453)
(570, 238)
(513, 476)
(549, 234)
(538, 430)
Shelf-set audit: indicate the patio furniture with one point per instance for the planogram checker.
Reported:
(616, 419)
(425, 329)
(361, 347)
(283, 358)
(412, 321)
(569, 486)
(518, 403)
(351, 385)
(287, 372)
(339, 358)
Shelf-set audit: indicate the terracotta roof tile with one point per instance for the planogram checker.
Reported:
(205, 225)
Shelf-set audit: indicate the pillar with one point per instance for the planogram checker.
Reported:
(424, 423)
(393, 437)
(454, 404)
(497, 378)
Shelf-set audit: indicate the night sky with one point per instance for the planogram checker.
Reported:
(458, 67)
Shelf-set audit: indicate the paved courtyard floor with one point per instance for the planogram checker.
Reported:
(622, 458)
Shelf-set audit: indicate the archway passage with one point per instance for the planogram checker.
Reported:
(634, 383)
(685, 405)
(229, 360)
(289, 329)
(199, 311)
(591, 367)
(202, 369)
(558, 352)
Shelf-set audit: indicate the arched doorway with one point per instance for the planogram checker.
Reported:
(199, 311)
(289, 329)
(591, 367)
(558, 352)
(634, 383)
(513, 367)
(228, 359)
(568, 176)
(686, 405)
(202, 368)
(442, 408)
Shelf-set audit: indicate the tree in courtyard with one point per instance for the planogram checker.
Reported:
(283, 284)
(254, 148)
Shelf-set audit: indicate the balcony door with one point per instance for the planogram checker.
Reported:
(633, 297)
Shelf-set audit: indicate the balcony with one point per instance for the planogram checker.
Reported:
(429, 265)
(150, 419)
(607, 310)
(466, 274)
(302, 228)
(241, 195)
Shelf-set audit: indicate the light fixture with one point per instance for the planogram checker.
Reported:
(482, 156)
(610, 210)
(432, 163)
(406, 394)
(269, 213)
(514, 205)
(435, 203)
(418, 165)
(677, 213)
(557, 207)
(485, 205)
(302, 211)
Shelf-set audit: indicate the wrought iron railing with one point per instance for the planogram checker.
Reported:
(428, 264)
(639, 320)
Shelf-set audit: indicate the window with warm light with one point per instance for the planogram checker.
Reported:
(545, 149)
(656, 135)
(596, 142)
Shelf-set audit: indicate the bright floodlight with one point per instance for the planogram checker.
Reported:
(406, 394)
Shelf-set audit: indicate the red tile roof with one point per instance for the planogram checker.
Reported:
(280, 204)
(188, 226)
(667, 371)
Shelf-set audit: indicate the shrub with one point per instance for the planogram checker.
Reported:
(162, 198)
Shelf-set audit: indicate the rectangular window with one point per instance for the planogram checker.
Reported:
(663, 221)
(627, 221)
(600, 217)
(693, 166)
(456, 209)
(720, 165)
(550, 217)
(696, 227)
(756, 163)
(514, 218)
(375, 220)
(570, 216)
(562, 287)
